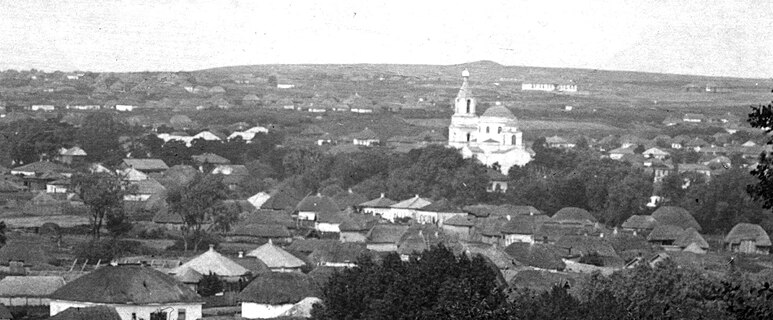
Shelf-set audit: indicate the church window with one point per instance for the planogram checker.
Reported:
(468, 104)
(499, 130)
(486, 129)
(468, 137)
(512, 138)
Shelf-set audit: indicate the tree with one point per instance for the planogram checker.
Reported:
(200, 202)
(272, 81)
(103, 193)
(209, 285)
(99, 138)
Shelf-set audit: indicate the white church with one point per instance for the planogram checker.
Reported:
(491, 138)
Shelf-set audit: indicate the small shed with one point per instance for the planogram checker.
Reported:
(748, 238)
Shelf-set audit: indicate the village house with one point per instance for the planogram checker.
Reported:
(145, 165)
(87, 313)
(522, 228)
(692, 241)
(655, 153)
(28, 291)
(405, 209)
(135, 292)
(338, 255)
(42, 107)
(558, 142)
(276, 258)
(497, 182)
(670, 215)
(617, 154)
(211, 261)
(356, 228)
(260, 233)
(694, 118)
(366, 137)
(748, 238)
(312, 205)
(459, 226)
(377, 207)
(124, 107)
(536, 256)
(639, 224)
(665, 235)
(74, 155)
(276, 295)
(437, 212)
(538, 87)
(385, 237)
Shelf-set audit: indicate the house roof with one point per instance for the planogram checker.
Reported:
(261, 231)
(442, 206)
(132, 174)
(412, 203)
(365, 134)
(87, 313)
(29, 286)
(412, 243)
(271, 217)
(347, 252)
(282, 198)
(10, 186)
(74, 151)
(584, 245)
(358, 222)
(639, 222)
(210, 158)
(307, 246)
(626, 150)
(461, 221)
(146, 164)
(41, 167)
(253, 264)
(665, 232)
(276, 288)
(213, 262)
(348, 199)
(536, 255)
(573, 215)
(676, 216)
(380, 202)
(321, 275)
(524, 224)
(747, 231)
(188, 275)
(165, 216)
(126, 284)
(495, 254)
(386, 233)
(148, 186)
(318, 203)
(691, 236)
(275, 257)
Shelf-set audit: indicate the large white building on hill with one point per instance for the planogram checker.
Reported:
(491, 138)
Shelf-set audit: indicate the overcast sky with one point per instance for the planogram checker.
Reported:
(722, 38)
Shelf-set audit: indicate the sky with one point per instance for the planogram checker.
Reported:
(702, 37)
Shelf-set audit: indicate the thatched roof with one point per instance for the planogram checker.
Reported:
(339, 253)
(321, 275)
(10, 186)
(282, 198)
(584, 245)
(318, 203)
(413, 203)
(536, 255)
(41, 167)
(307, 246)
(380, 202)
(358, 222)
(690, 236)
(666, 232)
(524, 224)
(29, 286)
(126, 285)
(442, 206)
(748, 231)
(496, 255)
(365, 134)
(275, 257)
(164, 216)
(146, 164)
(188, 275)
(253, 264)
(676, 216)
(412, 243)
(31, 253)
(87, 313)
(640, 222)
(573, 215)
(348, 199)
(386, 233)
(461, 221)
(276, 288)
(213, 262)
(210, 158)
(261, 231)
(272, 217)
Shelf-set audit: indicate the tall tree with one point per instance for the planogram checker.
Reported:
(99, 138)
(103, 193)
(199, 203)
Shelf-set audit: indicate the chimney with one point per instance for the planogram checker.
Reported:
(382, 194)
(241, 254)
(211, 247)
(417, 196)
(319, 194)
(350, 190)
(508, 217)
(614, 231)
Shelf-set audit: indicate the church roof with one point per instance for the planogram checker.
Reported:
(465, 91)
(499, 112)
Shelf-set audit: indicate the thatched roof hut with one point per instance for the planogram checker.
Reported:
(276, 258)
(676, 216)
(573, 215)
(536, 255)
(639, 222)
(665, 234)
(748, 238)
(279, 288)
(30, 253)
(691, 236)
(30, 286)
(126, 284)
(213, 262)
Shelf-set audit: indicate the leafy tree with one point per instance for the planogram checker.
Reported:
(103, 193)
(99, 138)
(198, 203)
(209, 285)
(272, 81)
(639, 149)
(627, 197)
(722, 202)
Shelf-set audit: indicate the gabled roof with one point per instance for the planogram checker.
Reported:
(380, 202)
(626, 150)
(524, 224)
(270, 217)
(41, 167)
(412, 203)
(748, 231)
(282, 198)
(412, 243)
(575, 244)
(261, 231)
(148, 186)
(213, 262)
(499, 112)
(126, 284)
(339, 253)
(146, 164)
(386, 233)
(461, 221)
(275, 257)
(348, 199)
(307, 246)
(278, 288)
(573, 215)
(318, 203)
(29, 286)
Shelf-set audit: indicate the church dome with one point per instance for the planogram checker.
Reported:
(499, 112)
